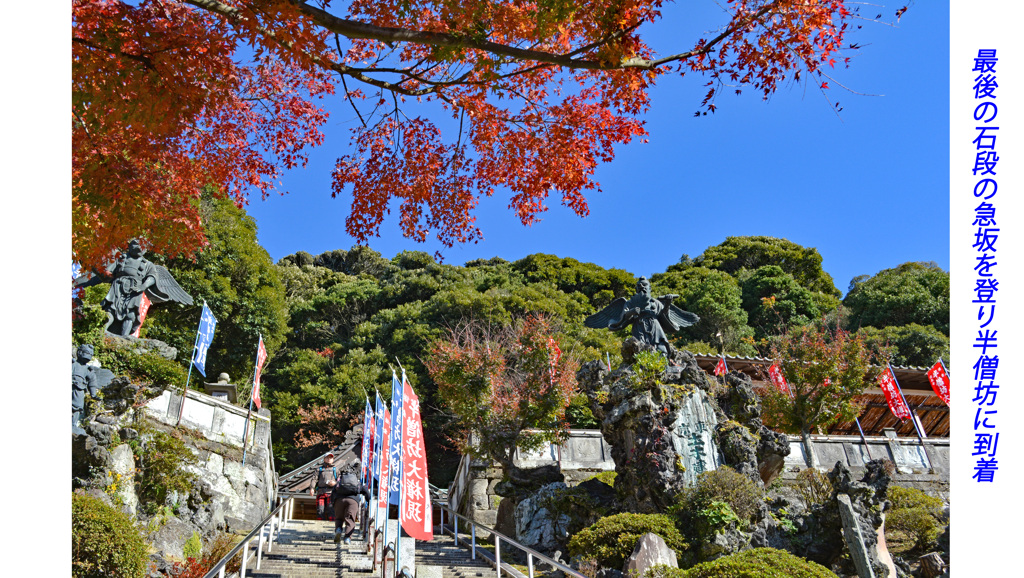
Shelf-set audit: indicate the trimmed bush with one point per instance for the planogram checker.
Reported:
(104, 541)
(611, 540)
(913, 523)
(724, 485)
(760, 563)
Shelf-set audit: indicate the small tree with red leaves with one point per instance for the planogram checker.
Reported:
(323, 426)
(826, 369)
(509, 386)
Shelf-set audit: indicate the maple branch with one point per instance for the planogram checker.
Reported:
(139, 58)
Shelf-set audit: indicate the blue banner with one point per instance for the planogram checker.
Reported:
(395, 457)
(380, 434)
(207, 323)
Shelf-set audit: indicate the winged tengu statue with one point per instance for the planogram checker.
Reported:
(650, 317)
(131, 276)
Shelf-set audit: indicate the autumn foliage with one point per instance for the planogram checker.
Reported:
(826, 369)
(500, 382)
(173, 95)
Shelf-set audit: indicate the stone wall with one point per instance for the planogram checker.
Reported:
(581, 457)
(237, 497)
(587, 453)
(924, 466)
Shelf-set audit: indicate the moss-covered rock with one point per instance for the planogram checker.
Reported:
(611, 540)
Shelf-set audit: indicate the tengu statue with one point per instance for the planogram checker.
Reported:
(650, 317)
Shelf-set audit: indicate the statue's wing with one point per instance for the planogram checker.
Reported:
(607, 317)
(166, 288)
(673, 318)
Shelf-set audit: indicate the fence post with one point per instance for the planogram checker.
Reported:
(245, 557)
(259, 549)
(497, 553)
(474, 543)
(529, 562)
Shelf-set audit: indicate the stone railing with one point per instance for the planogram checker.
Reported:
(217, 419)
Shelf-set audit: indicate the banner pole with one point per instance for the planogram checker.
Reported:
(191, 362)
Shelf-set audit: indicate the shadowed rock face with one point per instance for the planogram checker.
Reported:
(664, 433)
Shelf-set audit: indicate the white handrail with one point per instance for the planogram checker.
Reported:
(276, 519)
(498, 539)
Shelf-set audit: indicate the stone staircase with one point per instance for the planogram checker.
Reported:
(306, 549)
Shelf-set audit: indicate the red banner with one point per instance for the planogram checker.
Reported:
(721, 369)
(940, 381)
(143, 309)
(415, 511)
(261, 358)
(369, 450)
(887, 381)
(382, 493)
(775, 374)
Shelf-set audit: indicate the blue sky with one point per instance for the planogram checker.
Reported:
(868, 187)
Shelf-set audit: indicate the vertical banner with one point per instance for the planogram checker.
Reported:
(939, 379)
(720, 368)
(395, 459)
(415, 513)
(207, 323)
(887, 381)
(775, 374)
(261, 358)
(144, 304)
(367, 453)
(378, 436)
(382, 488)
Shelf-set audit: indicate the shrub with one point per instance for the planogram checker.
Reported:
(913, 523)
(143, 367)
(611, 540)
(193, 546)
(814, 487)
(104, 541)
(647, 369)
(760, 563)
(725, 485)
(161, 467)
(606, 477)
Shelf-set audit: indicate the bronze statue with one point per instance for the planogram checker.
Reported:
(83, 380)
(650, 317)
(131, 276)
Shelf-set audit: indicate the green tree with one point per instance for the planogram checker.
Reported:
(238, 280)
(913, 292)
(910, 344)
(509, 385)
(826, 370)
(598, 284)
(716, 297)
(775, 301)
(737, 255)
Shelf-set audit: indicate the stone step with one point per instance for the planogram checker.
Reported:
(306, 549)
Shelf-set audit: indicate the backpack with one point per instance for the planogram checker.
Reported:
(347, 486)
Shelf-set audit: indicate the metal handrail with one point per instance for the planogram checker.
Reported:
(498, 538)
(280, 515)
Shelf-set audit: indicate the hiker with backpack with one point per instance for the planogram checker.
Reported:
(326, 479)
(346, 506)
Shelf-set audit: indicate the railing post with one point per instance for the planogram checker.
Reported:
(259, 549)
(456, 534)
(497, 553)
(474, 543)
(529, 562)
(245, 557)
(442, 520)
(270, 534)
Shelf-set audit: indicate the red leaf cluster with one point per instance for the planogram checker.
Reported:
(172, 96)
